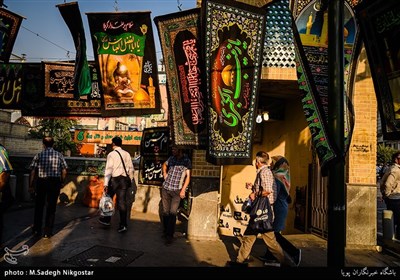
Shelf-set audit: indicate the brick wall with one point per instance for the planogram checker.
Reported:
(201, 168)
(15, 137)
(274, 73)
(361, 190)
(362, 154)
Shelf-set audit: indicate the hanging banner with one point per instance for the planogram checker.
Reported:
(310, 28)
(233, 43)
(180, 43)
(32, 91)
(154, 151)
(45, 89)
(10, 85)
(125, 54)
(9, 27)
(58, 80)
(105, 136)
(72, 17)
(54, 97)
(380, 27)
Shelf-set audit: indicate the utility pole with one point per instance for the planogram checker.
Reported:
(337, 179)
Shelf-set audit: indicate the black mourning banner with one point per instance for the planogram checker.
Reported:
(125, 55)
(32, 91)
(380, 28)
(180, 43)
(9, 27)
(154, 151)
(46, 89)
(55, 94)
(233, 45)
(72, 17)
(11, 85)
(58, 80)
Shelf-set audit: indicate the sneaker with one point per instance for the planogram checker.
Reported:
(272, 263)
(297, 257)
(104, 223)
(122, 229)
(236, 264)
(47, 235)
(262, 258)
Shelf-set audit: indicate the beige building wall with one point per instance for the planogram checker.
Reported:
(361, 194)
(290, 138)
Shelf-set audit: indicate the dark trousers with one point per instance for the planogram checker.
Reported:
(118, 186)
(47, 192)
(394, 206)
(170, 203)
(1, 225)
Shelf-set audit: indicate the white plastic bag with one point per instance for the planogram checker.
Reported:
(106, 205)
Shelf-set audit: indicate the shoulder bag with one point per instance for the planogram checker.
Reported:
(130, 183)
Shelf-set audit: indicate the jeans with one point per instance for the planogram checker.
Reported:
(170, 203)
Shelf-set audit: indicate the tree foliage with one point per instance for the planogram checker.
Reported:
(384, 153)
(60, 130)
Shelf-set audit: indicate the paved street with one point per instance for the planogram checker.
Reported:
(81, 242)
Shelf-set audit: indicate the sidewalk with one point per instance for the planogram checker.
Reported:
(78, 231)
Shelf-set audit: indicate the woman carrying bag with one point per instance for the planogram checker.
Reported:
(280, 169)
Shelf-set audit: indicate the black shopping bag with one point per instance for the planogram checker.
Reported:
(261, 215)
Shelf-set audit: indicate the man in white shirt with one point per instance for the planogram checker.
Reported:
(118, 176)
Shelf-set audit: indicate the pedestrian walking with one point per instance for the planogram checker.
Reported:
(281, 171)
(176, 172)
(5, 171)
(390, 189)
(264, 185)
(118, 177)
(49, 170)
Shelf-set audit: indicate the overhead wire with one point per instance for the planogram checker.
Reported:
(68, 52)
(47, 40)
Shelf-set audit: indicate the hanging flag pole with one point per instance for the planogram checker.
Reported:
(337, 181)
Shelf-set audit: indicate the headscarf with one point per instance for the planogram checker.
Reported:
(280, 169)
